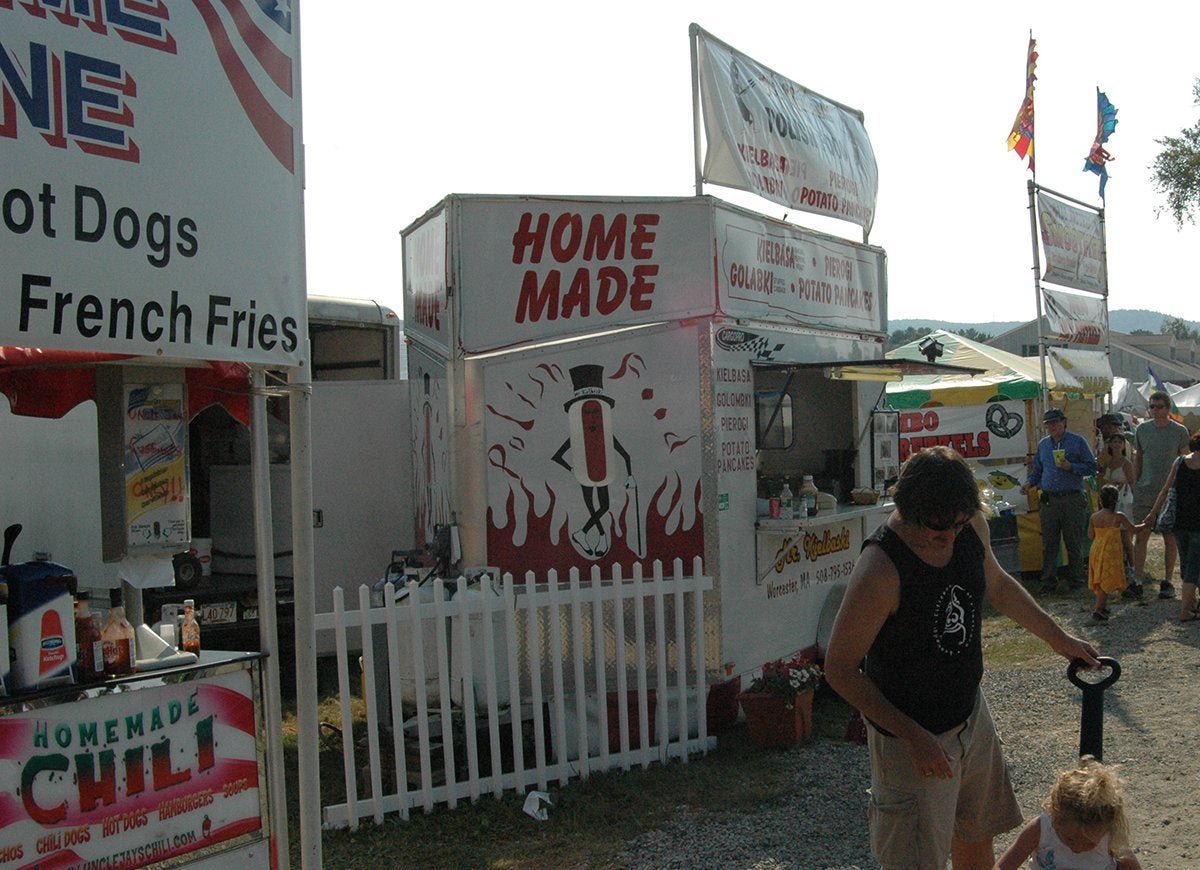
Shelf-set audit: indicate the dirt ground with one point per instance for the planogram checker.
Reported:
(1151, 719)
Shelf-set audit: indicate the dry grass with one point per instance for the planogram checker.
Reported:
(590, 819)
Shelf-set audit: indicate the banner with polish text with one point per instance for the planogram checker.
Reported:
(1073, 245)
(775, 138)
(769, 270)
(1075, 317)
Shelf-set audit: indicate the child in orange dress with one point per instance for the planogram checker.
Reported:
(1106, 560)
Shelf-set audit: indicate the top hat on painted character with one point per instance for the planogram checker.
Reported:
(588, 381)
(1053, 415)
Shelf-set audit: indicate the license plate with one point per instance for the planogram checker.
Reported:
(217, 613)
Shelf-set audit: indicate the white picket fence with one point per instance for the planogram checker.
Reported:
(460, 660)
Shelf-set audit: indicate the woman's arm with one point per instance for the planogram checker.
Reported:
(1152, 517)
(872, 595)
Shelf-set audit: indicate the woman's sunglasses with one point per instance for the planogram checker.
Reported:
(952, 527)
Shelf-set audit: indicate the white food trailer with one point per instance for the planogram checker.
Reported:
(608, 381)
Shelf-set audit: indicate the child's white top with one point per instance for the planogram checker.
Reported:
(1053, 854)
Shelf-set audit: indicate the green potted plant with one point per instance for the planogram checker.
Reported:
(778, 702)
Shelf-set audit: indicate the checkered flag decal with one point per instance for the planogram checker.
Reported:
(742, 341)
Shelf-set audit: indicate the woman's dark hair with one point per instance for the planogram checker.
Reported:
(935, 486)
(1194, 441)
(1108, 496)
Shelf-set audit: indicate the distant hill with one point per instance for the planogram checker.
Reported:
(1121, 320)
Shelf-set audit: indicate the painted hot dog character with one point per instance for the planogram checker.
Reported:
(592, 445)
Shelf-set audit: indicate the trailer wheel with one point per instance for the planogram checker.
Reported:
(829, 611)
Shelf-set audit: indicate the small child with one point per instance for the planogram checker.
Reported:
(1082, 825)
(1106, 561)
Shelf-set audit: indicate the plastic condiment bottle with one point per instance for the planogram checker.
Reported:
(88, 645)
(785, 502)
(117, 639)
(808, 491)
(189, 632)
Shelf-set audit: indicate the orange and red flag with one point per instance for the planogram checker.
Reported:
(1021, 137)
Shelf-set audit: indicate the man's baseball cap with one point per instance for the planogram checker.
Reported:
(1053, 415)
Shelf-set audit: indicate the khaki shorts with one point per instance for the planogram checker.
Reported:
(913, 819)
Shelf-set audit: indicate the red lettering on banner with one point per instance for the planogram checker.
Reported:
(918, 421)
(972, 445)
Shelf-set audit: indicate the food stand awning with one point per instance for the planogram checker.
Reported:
(871, 369)
(1003, 374)
(1000, 373)
(42, 382)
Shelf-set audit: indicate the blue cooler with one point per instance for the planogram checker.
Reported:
(41, 624)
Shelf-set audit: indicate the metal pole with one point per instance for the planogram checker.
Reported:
(1107, 404)
(694, 39)
(1043, 395)
(305, 607)
(268, 633)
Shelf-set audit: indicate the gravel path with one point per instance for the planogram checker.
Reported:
(1151, 718)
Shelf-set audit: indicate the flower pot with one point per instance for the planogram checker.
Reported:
(773, 722)
(722, 706)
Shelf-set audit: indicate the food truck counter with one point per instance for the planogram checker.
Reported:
(842, 513)
(165, 765)
(802, 566)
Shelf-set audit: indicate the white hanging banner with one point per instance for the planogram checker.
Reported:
(1080, 371)
(770, 136)
(1072, 245)
(1075, 317)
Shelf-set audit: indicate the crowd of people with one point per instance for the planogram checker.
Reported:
(1140, 472)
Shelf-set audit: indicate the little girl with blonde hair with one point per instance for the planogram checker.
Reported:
(1082, 825)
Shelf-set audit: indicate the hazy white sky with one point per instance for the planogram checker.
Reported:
(406, 103)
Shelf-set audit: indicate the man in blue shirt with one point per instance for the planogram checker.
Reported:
(1063, 459)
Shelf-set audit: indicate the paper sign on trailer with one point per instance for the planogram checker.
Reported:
(151, 199)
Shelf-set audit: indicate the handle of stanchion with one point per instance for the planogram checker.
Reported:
(1105, 661)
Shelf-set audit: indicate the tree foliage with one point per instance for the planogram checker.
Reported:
(904, 336)
(1176, 170)
(975, 335)
(1179, 328)
(913, 333)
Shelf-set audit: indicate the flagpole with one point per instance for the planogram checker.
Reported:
(1037, 288)
(694, 40)
(1107, 326)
